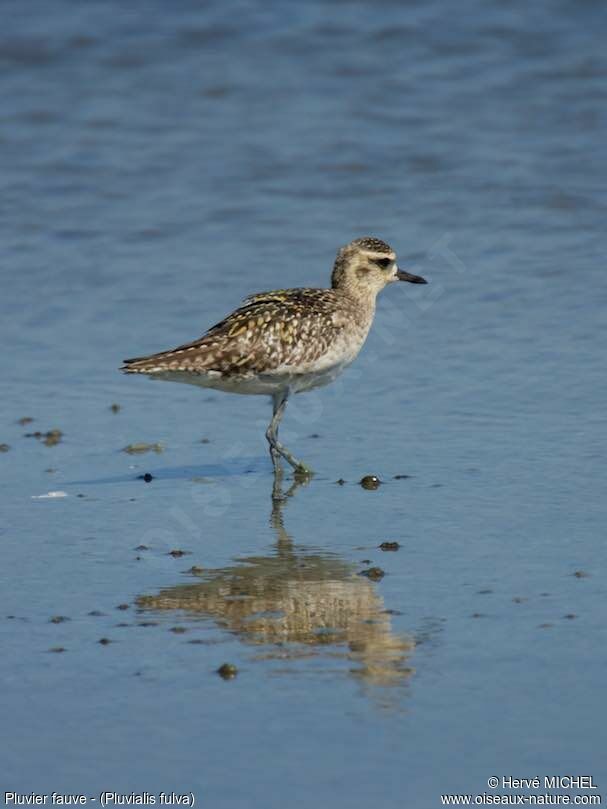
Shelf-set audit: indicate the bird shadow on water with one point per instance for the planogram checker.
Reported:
(297, 603)
(233, 469)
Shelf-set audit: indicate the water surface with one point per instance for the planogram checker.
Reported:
(157, 166)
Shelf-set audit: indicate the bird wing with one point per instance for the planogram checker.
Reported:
(270, 330)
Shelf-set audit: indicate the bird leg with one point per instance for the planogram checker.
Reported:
(277, 450)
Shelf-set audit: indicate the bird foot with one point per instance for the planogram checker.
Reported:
(301, 472)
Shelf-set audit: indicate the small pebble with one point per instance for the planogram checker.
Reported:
(370, 482)
(373, 573)
(227, 671)
(389, 546)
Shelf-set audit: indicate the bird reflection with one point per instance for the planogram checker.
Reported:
(297, 602)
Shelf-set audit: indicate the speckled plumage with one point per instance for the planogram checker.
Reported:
(281, 332)
(288, 340)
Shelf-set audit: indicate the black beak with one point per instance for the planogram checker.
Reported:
(412, 279)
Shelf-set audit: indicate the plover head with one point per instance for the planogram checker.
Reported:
(366, 266)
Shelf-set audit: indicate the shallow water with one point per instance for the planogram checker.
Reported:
(156, 168)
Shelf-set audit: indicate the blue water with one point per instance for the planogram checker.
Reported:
(158, 163)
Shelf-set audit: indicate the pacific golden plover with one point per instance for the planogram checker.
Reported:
(286, 341)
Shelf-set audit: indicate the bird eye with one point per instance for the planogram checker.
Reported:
(384, 263)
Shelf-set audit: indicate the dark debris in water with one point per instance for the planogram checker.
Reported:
(340, 482)
(176, 553)
(58, 619)
(370, 482)
(4, 447)
(227, 671)
(196, 569)
(147, 477)
(401, 477)
(25, 420)
(49, 438)
(373, 573)
(581, 574)
(115, 408)
(178, 630)
(389, 546)
(123, 606)
(52, 437)
(57, 649)
(104, 641)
